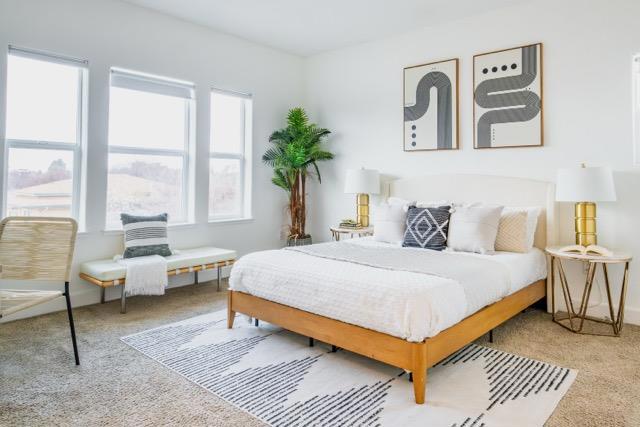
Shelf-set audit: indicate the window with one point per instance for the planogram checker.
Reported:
(150, 133)
(45, 124)
(229, 160)
(636, 108)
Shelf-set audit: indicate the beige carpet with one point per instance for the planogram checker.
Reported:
(116, 385)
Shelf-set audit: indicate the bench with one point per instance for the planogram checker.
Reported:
(107, 273)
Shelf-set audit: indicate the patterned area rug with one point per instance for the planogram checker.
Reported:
(274, 375)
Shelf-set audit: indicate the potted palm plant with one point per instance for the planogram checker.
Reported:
(294, 157)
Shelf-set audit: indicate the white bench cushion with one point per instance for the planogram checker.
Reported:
(107, 269)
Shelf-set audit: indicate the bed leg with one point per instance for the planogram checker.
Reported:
(419, 373)
(257, 322)
(419, 385)
(231, 315)
(102, 291)
(491, 336)
(311, 342)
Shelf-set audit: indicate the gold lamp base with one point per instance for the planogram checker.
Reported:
(362, 209)
(585, 223)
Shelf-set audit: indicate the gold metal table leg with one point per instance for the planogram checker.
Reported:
(623, 297)
(587, 293)
(581, 315)
(614, 323)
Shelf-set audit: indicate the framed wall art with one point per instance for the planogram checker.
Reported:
(431, 106)
(507, 98)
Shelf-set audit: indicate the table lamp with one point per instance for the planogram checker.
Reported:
(585, 186)
(362, 182)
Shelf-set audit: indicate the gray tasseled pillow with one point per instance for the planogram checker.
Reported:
(145, 235)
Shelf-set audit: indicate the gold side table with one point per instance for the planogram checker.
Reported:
(576, 319)
(360, 232)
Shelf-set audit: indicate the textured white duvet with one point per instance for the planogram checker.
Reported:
(407, 304)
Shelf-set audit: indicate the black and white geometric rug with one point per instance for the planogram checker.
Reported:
(274, 375)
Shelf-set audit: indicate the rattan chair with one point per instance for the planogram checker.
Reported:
(36, 248)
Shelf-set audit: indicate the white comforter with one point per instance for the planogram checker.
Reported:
(411, 305)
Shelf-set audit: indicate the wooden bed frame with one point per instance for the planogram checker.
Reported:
(417, 357)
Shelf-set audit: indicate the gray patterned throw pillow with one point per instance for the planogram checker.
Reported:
(145, 235)
(427, 228)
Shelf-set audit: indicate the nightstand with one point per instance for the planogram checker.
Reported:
(360, 232)
(576, 319)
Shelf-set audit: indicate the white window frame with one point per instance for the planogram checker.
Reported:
(635, 75)
(166, 86)
(244, 157)
(81, 123)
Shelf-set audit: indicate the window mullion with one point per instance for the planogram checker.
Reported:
(119, 149)
(234, 156)
(77, 153)
(48, 145)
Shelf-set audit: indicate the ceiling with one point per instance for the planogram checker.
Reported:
(308, 27)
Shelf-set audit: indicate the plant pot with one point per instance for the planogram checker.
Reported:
(299, 241)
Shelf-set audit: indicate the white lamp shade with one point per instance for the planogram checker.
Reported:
(362, 181)
(585, 184)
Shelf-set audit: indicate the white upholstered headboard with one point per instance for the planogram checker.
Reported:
(506, 191)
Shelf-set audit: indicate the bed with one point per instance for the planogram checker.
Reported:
(409, 308)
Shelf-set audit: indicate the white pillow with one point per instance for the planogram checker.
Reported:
(432, 204)
(474, 228)
(517, 229)
(389, 222)
(403, 202)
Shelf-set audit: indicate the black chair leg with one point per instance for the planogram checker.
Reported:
(71, 325)
(491, 336)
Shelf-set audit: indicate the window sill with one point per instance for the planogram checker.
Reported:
(223, 221)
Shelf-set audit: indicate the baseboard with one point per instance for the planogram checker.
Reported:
(83, 294)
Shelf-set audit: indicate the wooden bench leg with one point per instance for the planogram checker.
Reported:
(231, 315)
(219, 274)
(123, 300)
(195, 278)
(102, 291)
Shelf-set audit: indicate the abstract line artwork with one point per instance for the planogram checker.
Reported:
(431, 125)
(507, 105)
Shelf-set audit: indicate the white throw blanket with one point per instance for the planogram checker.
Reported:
(477, 276)
(146, 275)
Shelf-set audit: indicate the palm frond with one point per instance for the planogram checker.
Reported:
(280, 180)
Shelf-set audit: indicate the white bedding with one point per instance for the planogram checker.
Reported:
(409, 305)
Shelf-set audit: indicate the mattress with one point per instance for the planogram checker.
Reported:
(410, 305)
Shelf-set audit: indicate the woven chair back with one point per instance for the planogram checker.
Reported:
(37, 248)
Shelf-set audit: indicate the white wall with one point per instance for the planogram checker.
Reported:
(588, 48)
(110, 33)
(356, 92)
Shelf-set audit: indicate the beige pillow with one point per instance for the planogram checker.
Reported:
(516, 230)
